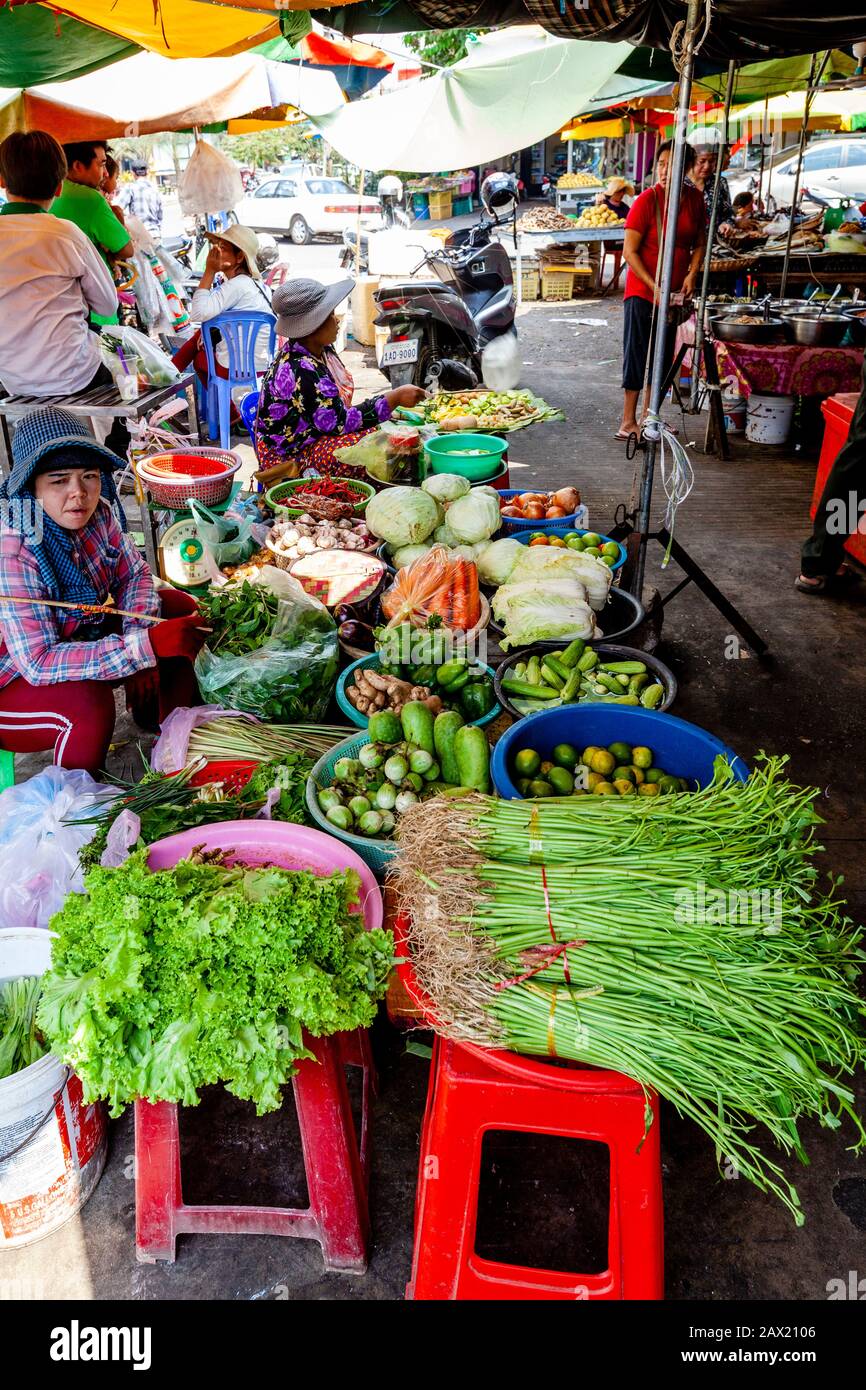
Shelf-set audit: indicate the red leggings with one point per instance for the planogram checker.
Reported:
(76, 718)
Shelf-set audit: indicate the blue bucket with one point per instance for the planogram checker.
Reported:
(361, 720)
(683, 749)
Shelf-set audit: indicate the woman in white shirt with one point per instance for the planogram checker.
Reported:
(231, 263)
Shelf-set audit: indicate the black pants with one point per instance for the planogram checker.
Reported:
(836, 517)
(638, 343)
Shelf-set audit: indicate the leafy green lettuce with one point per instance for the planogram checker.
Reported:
(165, 982)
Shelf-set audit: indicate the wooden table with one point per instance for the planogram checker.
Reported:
(99, 403)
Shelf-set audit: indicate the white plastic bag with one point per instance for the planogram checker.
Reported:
(210, 182)
(125, 350)
(38, 852)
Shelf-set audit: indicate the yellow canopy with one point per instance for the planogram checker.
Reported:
(829, 111)
(180, 28)
(593, 130)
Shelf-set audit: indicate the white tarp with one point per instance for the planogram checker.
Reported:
(146, 94)
(514, 88)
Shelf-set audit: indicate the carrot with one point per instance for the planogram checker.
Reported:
(461, 595)
(474, 600)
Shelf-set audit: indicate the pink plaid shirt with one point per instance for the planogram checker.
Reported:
(39, 644)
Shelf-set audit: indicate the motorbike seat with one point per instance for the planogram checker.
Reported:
(413, 286)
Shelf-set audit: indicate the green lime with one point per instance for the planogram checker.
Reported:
(592, 550)
(642, 757)
(591, 538)
(624, 774)
(653, 775)
(607, 560)
(523, 784)
(587, 754)
(561, 780)
(605, 789)
(668, 784)
(575, 542)
(621, 751)
(624, 787)
(527, 762)
(610, 548)
(565, 755)
(538, 535)
(539, 788)
(648, 789)
(572, 536)
(603, 762)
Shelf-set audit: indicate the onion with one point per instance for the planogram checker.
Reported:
(511, 511)
(568, 498)
(533, 511)
(554, 512)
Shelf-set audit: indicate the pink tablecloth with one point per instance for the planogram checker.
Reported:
(790, 370)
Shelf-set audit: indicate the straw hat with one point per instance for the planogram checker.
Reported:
(302, 306)
(245, 239)
(620, 185)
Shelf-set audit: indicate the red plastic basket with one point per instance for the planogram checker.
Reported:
(212, 469)
(234, 772)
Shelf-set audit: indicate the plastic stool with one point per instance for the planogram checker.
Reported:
(473, 1090)
(336, 1168)
(7, 769)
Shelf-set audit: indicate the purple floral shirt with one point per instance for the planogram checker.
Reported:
(302, 400)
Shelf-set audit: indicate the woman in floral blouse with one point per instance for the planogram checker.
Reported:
(305, 409)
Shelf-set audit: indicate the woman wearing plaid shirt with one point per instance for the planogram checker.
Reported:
(62, 541)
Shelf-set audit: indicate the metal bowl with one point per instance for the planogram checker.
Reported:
(856, 317)
(767, 331)
(818, 330)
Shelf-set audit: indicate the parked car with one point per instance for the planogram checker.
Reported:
(306, 206)
(832, 168)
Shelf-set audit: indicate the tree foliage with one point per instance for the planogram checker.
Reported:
(442, 46)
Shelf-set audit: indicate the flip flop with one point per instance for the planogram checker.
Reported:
(818, 587)
(625, 434)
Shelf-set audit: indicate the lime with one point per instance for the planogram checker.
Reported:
(573, 536)
(523, 785)
(642, 757)
(592, 550)
(603, 762)
(624, 787)
(561, 780)
(610, 548)
(592, 780)
(668, 784)
(624, 774)
(591, 538)
(653, 775)
(575, 542)
(538, 535)
(527, 762)
(639, 775)
(587, 754)
(565, 755)
(621, 751)
(648, 789)
(539, 788)
(605, 789)
(607, 560)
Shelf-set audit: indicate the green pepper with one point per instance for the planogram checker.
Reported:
(448, 673)
(476, 700)
(423, 675)
(457, 684)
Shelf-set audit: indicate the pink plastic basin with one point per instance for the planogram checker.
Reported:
(275, 842)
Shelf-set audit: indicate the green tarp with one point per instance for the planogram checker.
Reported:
(38, 46)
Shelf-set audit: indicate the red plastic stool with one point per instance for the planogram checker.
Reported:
(473, 1090)
(336, 1168)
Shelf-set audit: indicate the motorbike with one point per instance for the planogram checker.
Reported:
(458, 329)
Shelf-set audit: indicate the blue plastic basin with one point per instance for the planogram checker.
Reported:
(681, 748)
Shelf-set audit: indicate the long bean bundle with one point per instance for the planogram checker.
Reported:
(685, 941)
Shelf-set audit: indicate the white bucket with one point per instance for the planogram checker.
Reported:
(769, 418)
(59, 1143)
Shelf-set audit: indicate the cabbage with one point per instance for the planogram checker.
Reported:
(402, 515)
(542, 562)
(467, 552)
(475, 517)
(498, 559)
(446, 487)
(405, 554)
(443, 535)
(547, 610)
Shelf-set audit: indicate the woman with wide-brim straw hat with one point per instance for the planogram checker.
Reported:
(232, 257)
(306, 409)
(616, 193)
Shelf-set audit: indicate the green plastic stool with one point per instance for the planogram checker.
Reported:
(7, 770)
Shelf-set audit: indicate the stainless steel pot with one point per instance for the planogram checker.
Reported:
(818, 330)
(767, 331)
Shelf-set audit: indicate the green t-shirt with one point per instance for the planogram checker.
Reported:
(89, 210)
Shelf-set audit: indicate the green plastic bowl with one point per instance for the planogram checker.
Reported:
(278, 497)
(377, 854)
(443, 452)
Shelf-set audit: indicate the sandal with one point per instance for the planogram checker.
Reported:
(806, 584)
(625, 434)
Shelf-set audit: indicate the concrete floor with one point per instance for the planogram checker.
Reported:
(724, 1240)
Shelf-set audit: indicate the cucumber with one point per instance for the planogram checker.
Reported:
(417, 721)
(384, 727)
(445, 728)
(473, 758)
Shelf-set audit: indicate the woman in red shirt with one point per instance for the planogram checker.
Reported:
(644, 230)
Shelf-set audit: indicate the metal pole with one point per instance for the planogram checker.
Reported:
(804, 131)
(711, 232)
(358, 226)
(675, 182)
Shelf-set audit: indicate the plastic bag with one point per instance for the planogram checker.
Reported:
(291, 677)
(390, 454)
(210, 182)
(38, 852)
(436, 583)
(228, 539)
(119, 345)
(147, 296)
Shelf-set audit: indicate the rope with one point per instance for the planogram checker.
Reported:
(677, 45)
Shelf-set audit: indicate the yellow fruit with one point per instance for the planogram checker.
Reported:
(602, 762)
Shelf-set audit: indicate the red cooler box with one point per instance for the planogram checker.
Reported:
(838, 412)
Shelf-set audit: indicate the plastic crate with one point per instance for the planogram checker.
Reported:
(557, 285)
(460, 206)
(530, 284)
(440, 205)
(376, 854)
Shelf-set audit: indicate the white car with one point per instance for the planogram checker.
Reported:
(308, 205)
(831, 169)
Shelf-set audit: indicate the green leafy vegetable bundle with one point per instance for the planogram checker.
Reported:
(20, 1043)
(165, 982)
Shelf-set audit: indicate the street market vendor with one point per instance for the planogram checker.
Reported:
(61, 540)
(616, 197)
(306, 409)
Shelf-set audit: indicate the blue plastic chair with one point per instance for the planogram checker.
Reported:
(240, 333)
(248, 408)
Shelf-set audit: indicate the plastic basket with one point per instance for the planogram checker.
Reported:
(377, 854)
(557, 285)
(237, 771)
(558, 529)
(278, 496)
(684, 749)
(440, 205)
(212, 470)
(460, 206)
(530, 285)
(515, 524)
(373, 662)
(607, 652)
